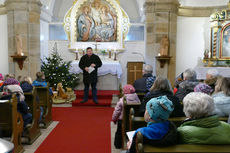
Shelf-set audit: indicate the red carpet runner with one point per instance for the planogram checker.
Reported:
(104, 98)
(80, 130)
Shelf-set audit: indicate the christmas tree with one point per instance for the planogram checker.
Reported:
(57, 71)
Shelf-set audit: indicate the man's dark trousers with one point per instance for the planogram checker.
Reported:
(94, 91)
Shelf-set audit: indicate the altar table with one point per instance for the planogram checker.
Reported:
(109, 75)
(108, 67)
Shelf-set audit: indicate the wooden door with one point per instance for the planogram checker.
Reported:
(134, 71)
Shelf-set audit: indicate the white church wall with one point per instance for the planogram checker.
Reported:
(193, 37)
(4, 68)
(134, 51)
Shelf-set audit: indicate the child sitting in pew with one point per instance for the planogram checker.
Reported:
(12, 86)
(159, 131)
(26, 86)
(131, 97)
(40, 81)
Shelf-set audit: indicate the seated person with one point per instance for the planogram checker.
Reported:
(187, 85)
(1, 80)
(26, 84)
(202, 127)
(162, 87)
(211, 78)
(204, 88)
(143, 84)
(221, 96)
(131, 97)
(40, 81)
(178, 80)
(159, 131)
(11, 86)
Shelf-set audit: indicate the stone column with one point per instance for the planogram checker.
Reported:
(24, 19)
(161, 20)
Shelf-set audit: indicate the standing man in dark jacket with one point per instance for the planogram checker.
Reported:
(89, 63)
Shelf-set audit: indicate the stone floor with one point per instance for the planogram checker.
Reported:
(45, 132)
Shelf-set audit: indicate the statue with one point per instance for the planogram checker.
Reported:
(18, 41)
(164, 46)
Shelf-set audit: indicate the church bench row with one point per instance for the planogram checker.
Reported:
(33, 131)
(136, 122)
(45, 101)
(145, 148)
(10, 117)
(11, 122)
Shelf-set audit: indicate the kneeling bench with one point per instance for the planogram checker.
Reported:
(145, 148)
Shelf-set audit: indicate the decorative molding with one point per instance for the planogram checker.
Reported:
(199, 11)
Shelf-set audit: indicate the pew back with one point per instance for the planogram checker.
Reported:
(125, 118)
(32, 102)
(45, 101)
(145, 148)
(11, 122)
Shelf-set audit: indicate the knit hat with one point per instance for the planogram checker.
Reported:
(11, 81)
(1, 76)
(159, 108)
(202, 87)
(128, 89)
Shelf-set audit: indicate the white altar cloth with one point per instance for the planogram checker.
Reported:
(201, 71)
(112, 67)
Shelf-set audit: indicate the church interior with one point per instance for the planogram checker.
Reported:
(169, 35)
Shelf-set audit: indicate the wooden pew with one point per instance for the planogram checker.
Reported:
(137, 122)
(45, 101)
(141, 96)
(11, 122)
(33, 132)
(145, 148)
(125, 119)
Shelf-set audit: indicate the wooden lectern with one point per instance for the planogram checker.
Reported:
(134, 71)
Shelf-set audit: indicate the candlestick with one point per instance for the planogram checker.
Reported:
(109, 53)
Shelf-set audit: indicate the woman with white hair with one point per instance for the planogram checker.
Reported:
(202, 127)
(221, 96)
(211, 78)
(187, 86)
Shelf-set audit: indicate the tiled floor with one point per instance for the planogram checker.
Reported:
(113, 130)
(45, 132)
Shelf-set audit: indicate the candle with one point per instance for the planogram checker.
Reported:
(159, 54)
(22, 54)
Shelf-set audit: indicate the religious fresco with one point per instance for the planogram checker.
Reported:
(96, 22)
(100, 24)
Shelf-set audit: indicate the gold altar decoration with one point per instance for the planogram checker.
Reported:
(100, 24)
(219, 54)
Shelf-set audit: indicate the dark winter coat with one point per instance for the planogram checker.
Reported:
(86, 61)
(26, 87)
(178, 108)
(185, 88)
(143, 84)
